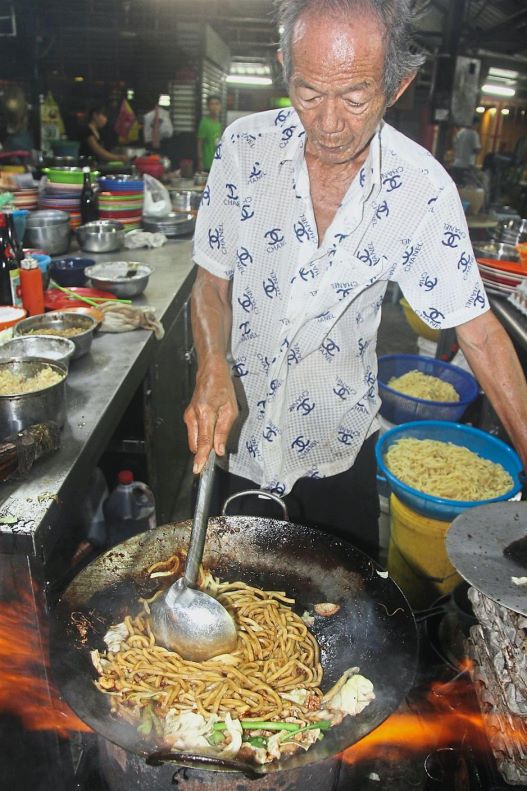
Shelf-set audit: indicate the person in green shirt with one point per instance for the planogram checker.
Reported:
(209, 133)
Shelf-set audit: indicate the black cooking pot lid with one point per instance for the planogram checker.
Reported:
(475, 543)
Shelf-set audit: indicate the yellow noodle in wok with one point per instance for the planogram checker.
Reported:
(445, 470)
(275, 654)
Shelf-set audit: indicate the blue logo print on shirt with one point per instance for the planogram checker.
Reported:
(451, 239)
(217, 153)
(427, 282)
(239, 370)
(247, 301)
(246, 211)
(205, 198)
(434, 315)
(244, 258)
(392, 182)
(232, 194)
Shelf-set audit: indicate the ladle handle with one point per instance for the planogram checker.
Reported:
(199, 523)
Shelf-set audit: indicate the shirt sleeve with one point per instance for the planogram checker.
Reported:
(217, 224)
(438, 273)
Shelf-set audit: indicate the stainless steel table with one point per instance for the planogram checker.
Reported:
(100, 386)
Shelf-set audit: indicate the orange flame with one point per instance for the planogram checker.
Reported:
(451, 714)
(24, 688)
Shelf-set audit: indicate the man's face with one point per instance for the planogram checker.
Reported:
(214, 107)
(337, 83)
(101, 119)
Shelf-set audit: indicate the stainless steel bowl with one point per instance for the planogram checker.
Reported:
(123, 278)
(185, 200)
(101, 236)
(20, 411)
(48, 347)
(48, 230)
(61, 320)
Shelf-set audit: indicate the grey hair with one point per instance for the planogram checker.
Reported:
(397, 18)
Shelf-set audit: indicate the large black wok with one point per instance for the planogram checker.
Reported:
(374, 628)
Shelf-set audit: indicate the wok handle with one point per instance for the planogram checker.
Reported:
(204, 762)
(199, 523)
(258, 493)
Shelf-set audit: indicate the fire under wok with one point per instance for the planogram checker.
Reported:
(374, 628)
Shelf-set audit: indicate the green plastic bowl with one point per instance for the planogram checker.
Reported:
(68, 175)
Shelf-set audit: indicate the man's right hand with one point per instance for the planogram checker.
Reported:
(212, 411)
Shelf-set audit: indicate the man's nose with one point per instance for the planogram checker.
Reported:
(331, 121)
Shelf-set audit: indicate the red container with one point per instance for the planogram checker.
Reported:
(151, 165)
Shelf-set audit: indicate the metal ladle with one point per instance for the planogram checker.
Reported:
(185, 619)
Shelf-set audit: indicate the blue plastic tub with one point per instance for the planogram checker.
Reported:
(400, 408)
(69, 272)
(485, 445)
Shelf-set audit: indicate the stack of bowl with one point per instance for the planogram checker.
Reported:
(63, 191)
(26, 198)
(121, 199)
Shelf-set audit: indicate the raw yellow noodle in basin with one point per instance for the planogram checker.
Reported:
(420, 385)
(257, 703)
(445, 470)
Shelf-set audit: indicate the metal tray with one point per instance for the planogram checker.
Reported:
(173, 224)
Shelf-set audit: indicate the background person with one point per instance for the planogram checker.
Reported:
(209, 133)
(467, 145)
(308, 213)
(91, 137)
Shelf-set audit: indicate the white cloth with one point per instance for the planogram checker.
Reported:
(164, 124)
(305, 317)
(466, 146)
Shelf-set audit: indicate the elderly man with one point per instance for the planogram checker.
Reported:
(307, 214)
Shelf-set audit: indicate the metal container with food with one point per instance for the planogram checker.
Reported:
(369, 620)
(123, 278)
(78, 328)
(60, 350)
(48, 230)
(101, 236)
(18, 410)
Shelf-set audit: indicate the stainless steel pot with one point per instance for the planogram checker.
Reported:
(48, 230)
(20, 411)
(61, 320)
(101, 236)
(57, 349)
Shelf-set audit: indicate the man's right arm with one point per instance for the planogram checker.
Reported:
(213, 408)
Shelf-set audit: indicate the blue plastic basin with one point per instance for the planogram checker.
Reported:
(398, 408)
(485, 445)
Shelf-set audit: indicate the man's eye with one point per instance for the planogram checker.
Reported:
(353, 103)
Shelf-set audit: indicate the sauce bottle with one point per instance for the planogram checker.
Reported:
(89, 207)
(32, 287)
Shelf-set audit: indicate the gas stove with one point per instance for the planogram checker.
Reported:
(434, 740)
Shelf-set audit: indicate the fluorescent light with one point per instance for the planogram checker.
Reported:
(164, 100)
(247, 79)
(498, 90)
(78, 79)
(480, 109)
(508, 74)
(505, 111)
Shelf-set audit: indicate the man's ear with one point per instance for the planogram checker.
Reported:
(401, 89)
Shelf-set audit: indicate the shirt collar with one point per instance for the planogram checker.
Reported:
(293, 151)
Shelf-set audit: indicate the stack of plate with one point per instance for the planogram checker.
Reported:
(501, 277)
(64, 197)
(173, 224)
(121, 199)
(26, 198)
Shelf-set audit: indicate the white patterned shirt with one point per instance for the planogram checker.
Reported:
(304, 316)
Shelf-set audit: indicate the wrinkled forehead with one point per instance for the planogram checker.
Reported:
(338, 39)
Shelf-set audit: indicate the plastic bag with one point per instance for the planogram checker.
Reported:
(156, 198)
